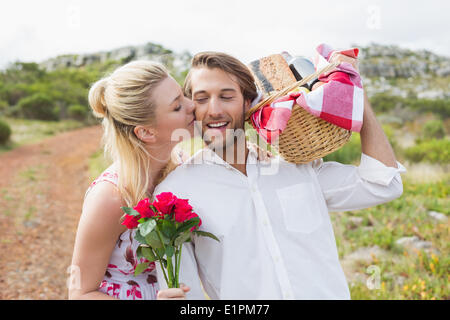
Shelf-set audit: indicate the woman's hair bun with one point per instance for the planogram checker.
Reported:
(97, 98)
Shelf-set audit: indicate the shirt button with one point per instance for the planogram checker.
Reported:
(265, 222)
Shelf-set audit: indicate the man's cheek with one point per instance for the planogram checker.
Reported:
(199, 113)
(199, 107)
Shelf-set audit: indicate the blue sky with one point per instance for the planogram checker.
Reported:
(37, 30)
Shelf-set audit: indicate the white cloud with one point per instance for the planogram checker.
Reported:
(33, 31)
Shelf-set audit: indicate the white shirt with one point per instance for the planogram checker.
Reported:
(276, 237)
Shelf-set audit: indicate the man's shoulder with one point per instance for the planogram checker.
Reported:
(183, 173)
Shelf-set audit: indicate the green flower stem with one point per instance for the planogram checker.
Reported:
(169, 262)
(177, 270)
(170, 272)
(162, 267)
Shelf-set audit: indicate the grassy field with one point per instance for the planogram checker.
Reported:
(97, 163)
(404, 272)
(31, 131)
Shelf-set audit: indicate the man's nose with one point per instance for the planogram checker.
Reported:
(214, 108)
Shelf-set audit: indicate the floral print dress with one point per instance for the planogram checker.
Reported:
(119, 280)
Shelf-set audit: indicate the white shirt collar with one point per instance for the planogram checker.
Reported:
(206, 155)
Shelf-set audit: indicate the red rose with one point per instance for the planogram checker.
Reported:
(143, 207)
(130, 222)
(182, 210)
(165, 202)
(194, 215)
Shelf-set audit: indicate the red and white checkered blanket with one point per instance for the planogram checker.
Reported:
(339, 101)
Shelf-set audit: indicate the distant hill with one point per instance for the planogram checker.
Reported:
(177, 62)
(385, 68)
(395, 62)
(405, 72)
(124, 54)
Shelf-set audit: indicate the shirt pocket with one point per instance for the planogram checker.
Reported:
(300, 208)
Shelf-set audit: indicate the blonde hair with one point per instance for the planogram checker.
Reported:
(123, 100)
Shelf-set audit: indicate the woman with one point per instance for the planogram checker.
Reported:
(141, 105)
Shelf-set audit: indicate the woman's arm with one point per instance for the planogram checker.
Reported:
(97, 234)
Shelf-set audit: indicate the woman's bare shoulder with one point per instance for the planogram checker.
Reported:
(103, 203)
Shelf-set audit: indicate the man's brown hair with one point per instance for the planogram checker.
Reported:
(228, 64)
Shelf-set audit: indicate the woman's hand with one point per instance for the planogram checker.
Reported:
(317, 84)
(173, 293)
(339, 57)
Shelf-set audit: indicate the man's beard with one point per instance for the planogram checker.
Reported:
(232, 136)
(234, 139)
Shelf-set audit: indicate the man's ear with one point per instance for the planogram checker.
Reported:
(145, 134)
(247, 105)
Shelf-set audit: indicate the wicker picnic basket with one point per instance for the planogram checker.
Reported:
(306, 137)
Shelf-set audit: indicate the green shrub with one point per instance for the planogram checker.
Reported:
(13, 92)
(433, 151)
(12, 112)
(384, 102)
(349, 153)
(389, 131)
(438, 106)
(433, 129)
(77, 112)
(3, 107)
(5, 132)
(38, 106)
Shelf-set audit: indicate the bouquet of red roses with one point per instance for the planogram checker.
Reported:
(162, 228)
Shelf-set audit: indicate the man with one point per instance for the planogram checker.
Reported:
(276, 238)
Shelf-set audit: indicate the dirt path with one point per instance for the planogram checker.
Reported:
(41, 194)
